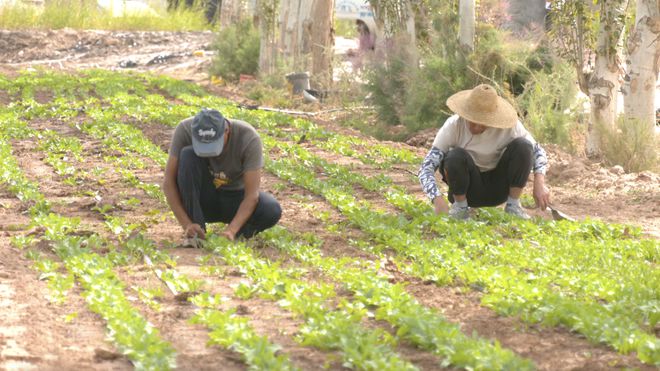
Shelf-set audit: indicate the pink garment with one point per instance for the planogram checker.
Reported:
(367, 41)
(366, 45)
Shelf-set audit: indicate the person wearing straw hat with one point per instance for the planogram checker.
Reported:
(213, 174)
(485, 155)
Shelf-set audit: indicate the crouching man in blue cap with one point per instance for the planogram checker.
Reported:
(213, 174)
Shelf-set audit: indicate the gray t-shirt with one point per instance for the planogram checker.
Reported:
(242, 153)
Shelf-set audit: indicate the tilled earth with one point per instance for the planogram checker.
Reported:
(185, 55)
(37, 334)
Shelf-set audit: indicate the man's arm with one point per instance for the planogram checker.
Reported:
(541, 192)
(171, 190)
(426, 176)
(252, 182)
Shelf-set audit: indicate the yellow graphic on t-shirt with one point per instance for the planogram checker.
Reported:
(220, 179)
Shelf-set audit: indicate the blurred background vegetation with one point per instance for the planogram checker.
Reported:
(103, 15)
(404, 98)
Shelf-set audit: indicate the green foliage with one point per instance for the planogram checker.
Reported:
(541, 271)
(237, 51)
(230, 331)
(547, 105)
(574, 28)
(266, 95)
(633, 144)
(415, 96)
(345, 28)
(388, 84)
(86, 14)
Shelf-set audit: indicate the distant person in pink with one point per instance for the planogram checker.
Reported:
(366, 44)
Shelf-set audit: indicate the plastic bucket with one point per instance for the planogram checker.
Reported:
(298, 82)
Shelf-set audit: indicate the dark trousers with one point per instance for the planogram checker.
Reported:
(489, 188)
(205, 204)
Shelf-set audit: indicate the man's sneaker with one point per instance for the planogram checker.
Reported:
(516, 210)
(192, 242)
(459, 213)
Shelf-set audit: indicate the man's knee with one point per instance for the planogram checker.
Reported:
(191, 167)
(456, 156)
(271, 211)
(187, 154)
(521, 146)
(188, 159)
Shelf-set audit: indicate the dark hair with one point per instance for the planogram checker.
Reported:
(362, 26)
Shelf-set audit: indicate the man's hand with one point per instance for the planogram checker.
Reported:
(541, 192)
(194, 230)
(441, 206)
(229, 234)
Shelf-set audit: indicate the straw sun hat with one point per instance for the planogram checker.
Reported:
(483, 106)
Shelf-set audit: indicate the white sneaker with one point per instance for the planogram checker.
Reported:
(458, 212)
(516, 210)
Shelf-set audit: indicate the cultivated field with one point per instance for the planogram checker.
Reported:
(360, 274)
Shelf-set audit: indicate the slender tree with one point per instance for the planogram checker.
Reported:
(395, 20)
(323, 40)
(293, 41)
(605, 81)
(642, 63)
(266, 11)
(466, 28)
(305, 38)
(231, 12)
(586, 28)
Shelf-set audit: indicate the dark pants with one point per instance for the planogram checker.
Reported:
(489, 188)
(205, 204)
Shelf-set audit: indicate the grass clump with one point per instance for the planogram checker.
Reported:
(547, 106)
(414, 95)
(631, 143)
(237, 51)
(87, 14)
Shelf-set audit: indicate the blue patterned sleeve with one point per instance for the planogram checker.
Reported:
(427, 171)
(540, 159)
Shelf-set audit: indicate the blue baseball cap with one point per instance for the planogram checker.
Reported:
(208, 133)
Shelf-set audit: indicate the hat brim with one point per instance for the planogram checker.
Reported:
(504, 117)
(208, 149)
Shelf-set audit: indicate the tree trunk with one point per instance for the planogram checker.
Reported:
(395, 21)
(642, 64)
(605, 83)
(292, 43)
(231, 12)
(305, 38)
(466, 27)
(265, 11)
(323, 41)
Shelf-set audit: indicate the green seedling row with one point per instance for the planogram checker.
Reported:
(595, 278)
(130, 94)
(415, 323)
(258, 352)
(566, 271)
(147, 153)
(508, 288)
(136, 338)
(324, 327)
(97, 127)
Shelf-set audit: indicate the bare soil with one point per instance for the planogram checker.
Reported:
(185, 55)
(37, 334)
